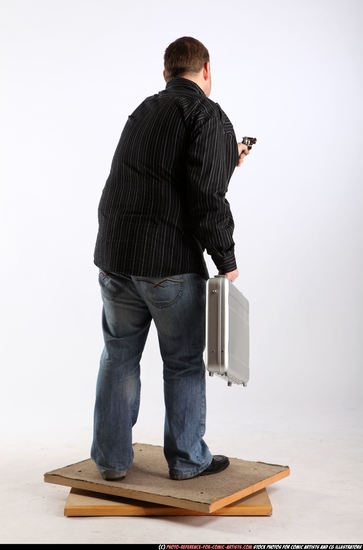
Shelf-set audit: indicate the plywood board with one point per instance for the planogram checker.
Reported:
(86, 503)
(148, 480)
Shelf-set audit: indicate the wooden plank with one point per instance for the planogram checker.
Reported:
(86, 503)
(148, 480)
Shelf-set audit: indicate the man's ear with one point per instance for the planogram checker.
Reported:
(164, 75)
(206, 69)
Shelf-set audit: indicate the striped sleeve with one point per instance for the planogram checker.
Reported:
(207, 182)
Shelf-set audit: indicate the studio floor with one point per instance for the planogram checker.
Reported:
(320, 502)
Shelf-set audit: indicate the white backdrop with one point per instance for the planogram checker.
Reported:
(288, 72)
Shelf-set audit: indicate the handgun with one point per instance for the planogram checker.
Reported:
(249, 141)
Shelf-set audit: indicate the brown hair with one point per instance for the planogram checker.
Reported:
(184, 55)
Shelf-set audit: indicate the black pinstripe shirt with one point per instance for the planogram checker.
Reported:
(164, 200)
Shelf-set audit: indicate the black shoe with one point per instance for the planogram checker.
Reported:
(112, 475)
(218, 464)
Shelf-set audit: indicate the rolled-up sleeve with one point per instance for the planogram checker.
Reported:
(208, 172)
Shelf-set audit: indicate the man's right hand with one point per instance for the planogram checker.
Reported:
(231, 275)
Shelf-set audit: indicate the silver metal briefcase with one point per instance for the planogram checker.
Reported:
(227, 331)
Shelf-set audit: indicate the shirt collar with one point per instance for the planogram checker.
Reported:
(179, 83)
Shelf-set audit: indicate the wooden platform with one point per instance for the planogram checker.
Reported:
(148, 480)
(86, 503)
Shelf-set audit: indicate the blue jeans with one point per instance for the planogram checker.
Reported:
(177, 305)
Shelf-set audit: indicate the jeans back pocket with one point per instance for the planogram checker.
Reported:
(161, 291)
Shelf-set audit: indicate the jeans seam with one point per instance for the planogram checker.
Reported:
(201, 413)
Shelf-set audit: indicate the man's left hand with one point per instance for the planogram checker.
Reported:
(243, 151)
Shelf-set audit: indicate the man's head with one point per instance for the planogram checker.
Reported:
(189, 58)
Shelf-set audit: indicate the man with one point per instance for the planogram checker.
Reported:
(163, 204)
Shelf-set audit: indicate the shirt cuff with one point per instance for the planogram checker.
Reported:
(227, 263)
